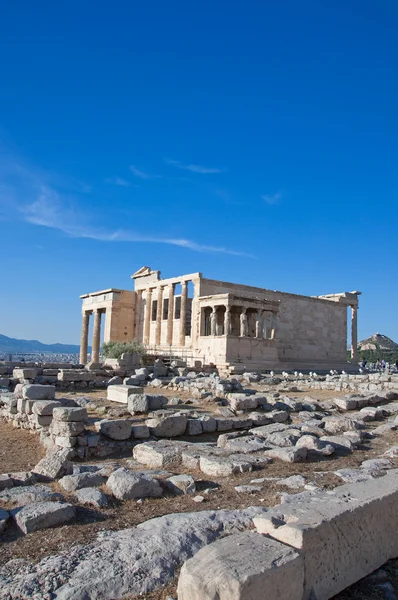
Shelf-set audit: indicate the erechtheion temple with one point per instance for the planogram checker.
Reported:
(226, 324)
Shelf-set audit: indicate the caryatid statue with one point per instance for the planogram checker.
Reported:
(243, 323)
(259, 325)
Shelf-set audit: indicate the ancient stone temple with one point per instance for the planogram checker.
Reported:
(229, 325)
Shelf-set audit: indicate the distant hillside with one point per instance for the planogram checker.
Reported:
(378, 346)
(8, 344)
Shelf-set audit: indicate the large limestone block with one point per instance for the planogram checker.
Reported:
(41, 515)
(20, 495)
(38, 392)
(44, 408)
(121, 393)
(242, 401)
(118, 429)
(245, 444)
(24, 373)
(54, 465)
(288, 454)
(92, 497)
(168, 426)
(223, 466)
(138, 403)
(128, 562)
(343, 535)
(337, 425)
(70, 483)
(225, 570)
(65, 428)
(70, 414)
(126, 485)
(75, 375)
(158, 454)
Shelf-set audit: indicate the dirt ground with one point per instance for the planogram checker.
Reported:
(21, 450)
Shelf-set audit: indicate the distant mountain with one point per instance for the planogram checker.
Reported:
(378, 346)
(377, 341)
(11, 345)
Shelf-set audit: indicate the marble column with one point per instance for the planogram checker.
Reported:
(354, 333)
(213, 321)
(137, 315)
(264, 324)
(183, 311)
(147, 317)
(170, 315)
(259, 325)
(227, 321)
(96, 337)
(159, 316)
(84, 338)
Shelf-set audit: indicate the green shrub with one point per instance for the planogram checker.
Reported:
(116, 349)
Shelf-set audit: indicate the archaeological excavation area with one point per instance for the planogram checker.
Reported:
(167, 482)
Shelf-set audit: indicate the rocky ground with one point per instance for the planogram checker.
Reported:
(113, 507)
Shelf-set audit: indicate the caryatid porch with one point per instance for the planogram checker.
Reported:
(238, 328)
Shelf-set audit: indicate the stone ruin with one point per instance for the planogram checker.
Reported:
(238, 425)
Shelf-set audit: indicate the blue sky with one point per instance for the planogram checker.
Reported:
(255, 142)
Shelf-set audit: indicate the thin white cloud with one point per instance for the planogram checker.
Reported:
(28, 194)
(272, 199)
(193, 168)
(50, 210)
(119, 181)
(142, 174)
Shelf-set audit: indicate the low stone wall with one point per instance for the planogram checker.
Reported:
(314, 547)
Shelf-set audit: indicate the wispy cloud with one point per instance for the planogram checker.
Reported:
(118, 181)
(28, 194)
(272, 199)
(142, 174)
(49, 211)
(193, 168)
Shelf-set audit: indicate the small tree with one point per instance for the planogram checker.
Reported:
(116, 349)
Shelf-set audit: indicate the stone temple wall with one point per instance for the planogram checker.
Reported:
(308, 329)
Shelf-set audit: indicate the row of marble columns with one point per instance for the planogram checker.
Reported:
(159, 314)
(96, 340)
(260, 326)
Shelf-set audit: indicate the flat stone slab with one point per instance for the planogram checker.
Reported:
(18, 496)
(70, 483)
(159, 454)
(169, 426)
(41, 515)
(54, 465)
(38, 392)
(288, 454)
(127, 562)
(117, 429)
(44, 408)
(121, 393)
(361, 517)
(70, 414)
(225, 570)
